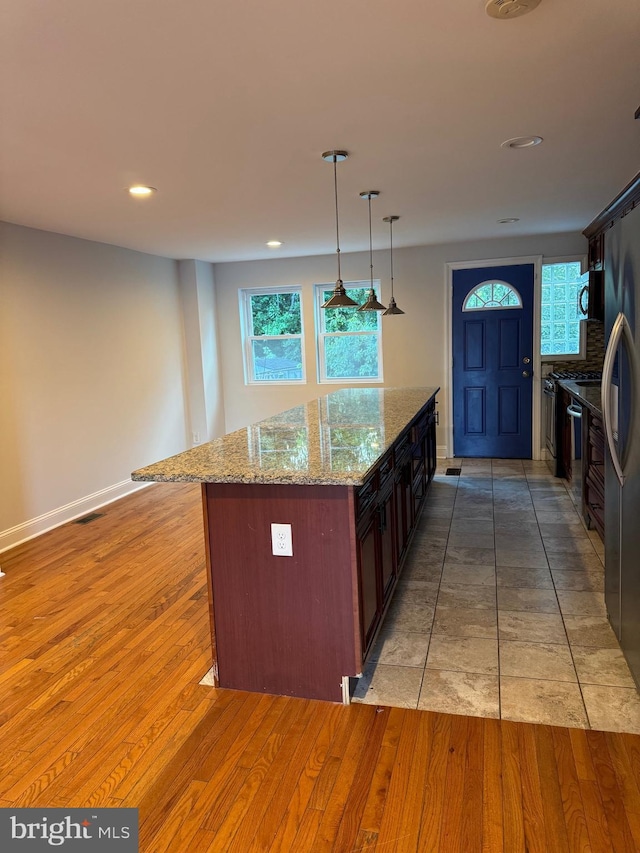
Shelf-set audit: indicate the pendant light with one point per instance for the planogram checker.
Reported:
(339, 298)
(393, 308)
(372, 303)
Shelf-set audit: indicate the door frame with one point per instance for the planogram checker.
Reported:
(536, 408)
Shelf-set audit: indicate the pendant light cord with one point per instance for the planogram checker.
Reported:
(335, 187)
(370, 245)
(391, 252)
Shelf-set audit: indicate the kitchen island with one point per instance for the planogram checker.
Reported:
(346, 475)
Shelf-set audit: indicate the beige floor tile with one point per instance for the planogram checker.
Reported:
(475, 512)
(470, 540)
(415, 592)
(612, 709)
(401, 648)
(554, 703)
(465, 622)
(381, 684)
(467, 595)
(517, 576)
(463, 654)
(456, 573)
(470, 556)
(531, 627)
(532, 600)
(471, 526)
(563, 545)
(590, 580)
(409, 616)
(593, 631)
(602, 666)
(423, 570)
(575, 562)
(505, 526)
(563, 517)
(460, 693)
(531, 557)
(581, 603)
(536, 660)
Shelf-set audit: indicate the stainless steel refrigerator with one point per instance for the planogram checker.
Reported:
(620, 404)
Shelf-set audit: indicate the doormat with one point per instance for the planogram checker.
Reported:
(87, 518)
(453, 472)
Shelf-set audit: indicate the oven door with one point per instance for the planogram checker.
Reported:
(550, 426)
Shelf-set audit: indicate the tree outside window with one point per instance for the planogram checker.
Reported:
(272, 331)
(349, 341)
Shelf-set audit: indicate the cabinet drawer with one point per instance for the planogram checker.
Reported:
(402, 449)
(386, 469)
(365, 496)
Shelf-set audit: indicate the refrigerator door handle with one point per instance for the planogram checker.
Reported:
(607, 374)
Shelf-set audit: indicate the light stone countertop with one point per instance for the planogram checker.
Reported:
(333, 440)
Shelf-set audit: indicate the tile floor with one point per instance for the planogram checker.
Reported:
(499, 611)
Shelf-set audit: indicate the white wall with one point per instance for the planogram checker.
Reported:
(414, 347)
(92, 379)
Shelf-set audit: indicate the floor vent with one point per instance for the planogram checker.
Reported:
(453, 472)
(88, 518)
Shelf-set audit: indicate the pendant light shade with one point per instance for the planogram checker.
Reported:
(338, 298)
(393, 308)
(372, 303)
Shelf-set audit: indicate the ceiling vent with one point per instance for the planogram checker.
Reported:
(506, 9)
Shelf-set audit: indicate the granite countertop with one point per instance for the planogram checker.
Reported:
(587, 394)
(333, 440)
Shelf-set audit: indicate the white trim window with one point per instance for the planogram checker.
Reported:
(349, 341)
(273, 346)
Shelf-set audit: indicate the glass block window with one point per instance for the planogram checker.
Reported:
(349, 341)
(272, 335)
(492, 294)
(561, 311)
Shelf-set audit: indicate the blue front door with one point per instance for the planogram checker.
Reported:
(493, 361)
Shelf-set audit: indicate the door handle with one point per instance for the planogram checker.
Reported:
(526, 374)
(581, 308)
(607, 374)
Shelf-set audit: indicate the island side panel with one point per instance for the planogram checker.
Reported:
(284, 625)
(212, 619)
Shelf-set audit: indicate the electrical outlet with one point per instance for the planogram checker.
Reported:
(281, 542)
(196, 438)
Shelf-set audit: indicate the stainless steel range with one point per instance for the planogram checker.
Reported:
(551, 420)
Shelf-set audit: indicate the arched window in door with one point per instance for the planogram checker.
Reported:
(492, 294)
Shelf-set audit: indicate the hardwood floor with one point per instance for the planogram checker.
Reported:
(104, 637)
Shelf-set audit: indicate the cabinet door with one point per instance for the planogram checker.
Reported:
(367, 564)
(387, 537)
(404, 508)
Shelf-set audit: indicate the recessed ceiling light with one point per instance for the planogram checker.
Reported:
(522, 142)
(509, 220)
(140, 191)
(274, 244)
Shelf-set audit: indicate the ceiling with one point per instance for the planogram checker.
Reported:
(226, 107)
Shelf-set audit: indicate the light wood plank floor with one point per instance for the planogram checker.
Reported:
(103, 640)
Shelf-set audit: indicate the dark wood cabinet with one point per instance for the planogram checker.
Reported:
(388, 505)
(593, 472)
(368, 576)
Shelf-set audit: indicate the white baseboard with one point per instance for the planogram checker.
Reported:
(76, 509)
(441, 451)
